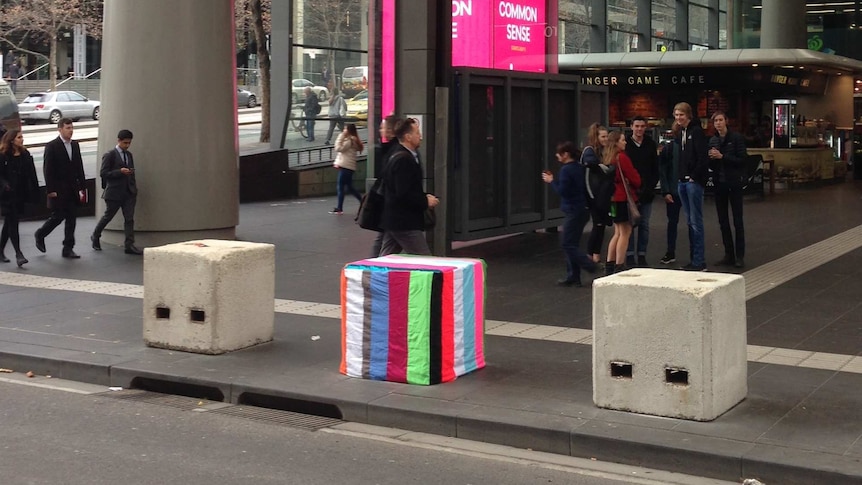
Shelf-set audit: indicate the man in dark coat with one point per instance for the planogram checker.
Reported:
(121, 191)
(64, 183)
(728, 154)
(405, 200)
(643, 151)
(311, 109)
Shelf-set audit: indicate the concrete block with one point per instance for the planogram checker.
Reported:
(669, 343)
(209, 296)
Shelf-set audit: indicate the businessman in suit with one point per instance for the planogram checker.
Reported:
(121, 191)
(64, 179)
(404, 200)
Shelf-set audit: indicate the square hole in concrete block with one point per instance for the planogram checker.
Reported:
(163, 312)
(621, 370)
(197, 316)
(676, 375)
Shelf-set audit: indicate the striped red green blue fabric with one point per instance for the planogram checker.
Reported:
(413, 319)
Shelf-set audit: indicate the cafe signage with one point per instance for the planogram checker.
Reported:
(707, 78)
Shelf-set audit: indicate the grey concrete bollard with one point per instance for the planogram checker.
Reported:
(209, 296)
(669, 343)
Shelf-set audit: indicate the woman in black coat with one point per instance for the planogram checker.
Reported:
(18, 186)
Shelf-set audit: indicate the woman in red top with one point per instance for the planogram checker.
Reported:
(615, 155)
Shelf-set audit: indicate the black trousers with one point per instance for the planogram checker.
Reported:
(68, 214)
(730, 193)
(111, 208)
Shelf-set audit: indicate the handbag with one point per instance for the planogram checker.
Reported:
(634, 212)
(371, 208)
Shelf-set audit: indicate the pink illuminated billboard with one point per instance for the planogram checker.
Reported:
(500, 34)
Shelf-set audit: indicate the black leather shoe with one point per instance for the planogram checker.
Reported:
(21, 260)
(97, 245)
(133, 250)
(71, 254)
(739, 263)
(3, 258)
(40, 241)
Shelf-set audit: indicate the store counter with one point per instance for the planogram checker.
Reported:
(799, 165)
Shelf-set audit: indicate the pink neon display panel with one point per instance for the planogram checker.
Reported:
(519, 35)
(387, 103)
(471, 33)
(500, 34)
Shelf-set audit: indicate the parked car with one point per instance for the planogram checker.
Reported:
(357, 107)
(8, 108)
(52, 106)
(299, 86)
(245, 98)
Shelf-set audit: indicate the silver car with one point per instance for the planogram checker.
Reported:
(52, 106)
(245, 98)
(298, 91)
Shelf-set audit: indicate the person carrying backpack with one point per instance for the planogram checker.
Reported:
(311, 110)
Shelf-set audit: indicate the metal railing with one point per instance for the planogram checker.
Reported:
(24, 76)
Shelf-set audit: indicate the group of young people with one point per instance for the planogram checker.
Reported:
(613, 170)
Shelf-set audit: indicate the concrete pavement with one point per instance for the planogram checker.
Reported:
(801, 422)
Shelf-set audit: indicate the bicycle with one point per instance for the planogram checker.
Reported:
(297, 121)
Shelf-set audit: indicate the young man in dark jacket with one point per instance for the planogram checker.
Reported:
(571, 187)
(693, 174)
(643, 152)
(728, 155)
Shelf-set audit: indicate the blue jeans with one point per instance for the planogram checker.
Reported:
(345, 182)
(691, 195)
(672, 223)
(576, 258)
(641, 231)
(309, 127)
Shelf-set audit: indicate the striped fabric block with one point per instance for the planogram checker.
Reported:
(413, 319)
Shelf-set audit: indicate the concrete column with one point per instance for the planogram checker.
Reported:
(782, 25)
(168, 75)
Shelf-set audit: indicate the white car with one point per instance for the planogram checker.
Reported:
(299, 86)
(53, 106)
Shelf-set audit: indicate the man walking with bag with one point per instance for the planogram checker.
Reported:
(121, 191)
(405, 201)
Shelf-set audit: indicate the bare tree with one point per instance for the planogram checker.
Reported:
(332, 23)
(41, 22)
(256, 16)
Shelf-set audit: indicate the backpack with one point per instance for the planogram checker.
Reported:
(317, 109)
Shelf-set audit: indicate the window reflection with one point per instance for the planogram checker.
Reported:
(329, 39)
(663, 24)
(574, 28)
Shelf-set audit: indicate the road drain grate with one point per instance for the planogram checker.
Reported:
(287, 418)
(179, 402)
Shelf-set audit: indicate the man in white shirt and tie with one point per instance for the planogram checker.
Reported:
(120, 191)
(64, 184)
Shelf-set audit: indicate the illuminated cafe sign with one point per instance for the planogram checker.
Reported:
(718, 77)
(643, 80)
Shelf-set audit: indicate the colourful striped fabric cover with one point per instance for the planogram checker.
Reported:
(414, 319)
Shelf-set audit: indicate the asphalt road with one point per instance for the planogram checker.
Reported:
(53, 436)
